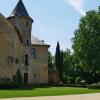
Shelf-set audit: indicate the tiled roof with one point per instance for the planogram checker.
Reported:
(36, 41)
(20, 10)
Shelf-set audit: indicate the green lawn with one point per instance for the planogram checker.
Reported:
(49, 91)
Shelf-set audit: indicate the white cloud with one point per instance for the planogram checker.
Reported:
(77, 5)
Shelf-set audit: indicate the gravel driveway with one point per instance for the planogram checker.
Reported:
(69, 97)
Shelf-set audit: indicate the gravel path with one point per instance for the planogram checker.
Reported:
(69, 97)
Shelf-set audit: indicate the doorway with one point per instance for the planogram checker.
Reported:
(25, 78)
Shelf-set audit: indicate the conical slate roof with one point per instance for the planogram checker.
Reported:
(20, 10)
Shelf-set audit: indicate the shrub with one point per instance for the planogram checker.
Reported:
(71, 80)
(94, 86)
(10, 86)
(65, 79)
(5, 80)
(78, 80)
(17, 78)
(83, 82)
(68, 79)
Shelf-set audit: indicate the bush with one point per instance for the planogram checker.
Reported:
(71, 80)
(78, 80)
(17, 78)
(10, 86)
(75, 85)
(65, 79)
(83, 82)
(94, 86)
(68, 79)
(6, 80)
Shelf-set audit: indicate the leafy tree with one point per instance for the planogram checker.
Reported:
(51, 66)
(67, 60)
(86, 45)
(62, 65)
(69, 63)
(51, 61)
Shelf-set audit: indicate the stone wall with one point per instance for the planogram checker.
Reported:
(12, 55)
(23, 24)
(10, 50)
(40, 64)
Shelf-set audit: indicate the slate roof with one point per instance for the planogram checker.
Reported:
(20, 10)
(36, 41)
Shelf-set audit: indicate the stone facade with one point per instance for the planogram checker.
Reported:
(11, 49)
(40, 63)
(19, 52)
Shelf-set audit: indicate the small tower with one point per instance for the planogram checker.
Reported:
(22, 21)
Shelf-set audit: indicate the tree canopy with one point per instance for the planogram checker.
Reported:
(86, 42)
(83, 64)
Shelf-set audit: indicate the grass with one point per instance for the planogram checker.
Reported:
(46, 91)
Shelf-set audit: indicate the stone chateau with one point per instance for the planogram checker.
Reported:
(19, 50)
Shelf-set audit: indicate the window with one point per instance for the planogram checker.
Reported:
(33, 53)
(16, 60)
(10, 59)
(26, 78)
(26, 42)
(26, 60)
(26, 23)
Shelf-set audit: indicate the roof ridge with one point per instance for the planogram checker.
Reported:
(37, 41)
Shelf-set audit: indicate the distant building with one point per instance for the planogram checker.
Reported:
(21, 51)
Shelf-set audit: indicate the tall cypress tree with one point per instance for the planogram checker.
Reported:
(58, 60)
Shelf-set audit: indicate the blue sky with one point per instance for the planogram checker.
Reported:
(54, 20)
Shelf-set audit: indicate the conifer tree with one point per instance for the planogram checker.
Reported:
(58, 60)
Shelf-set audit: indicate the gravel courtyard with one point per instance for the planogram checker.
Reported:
(68, 97)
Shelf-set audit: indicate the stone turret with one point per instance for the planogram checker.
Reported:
(22, 21)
